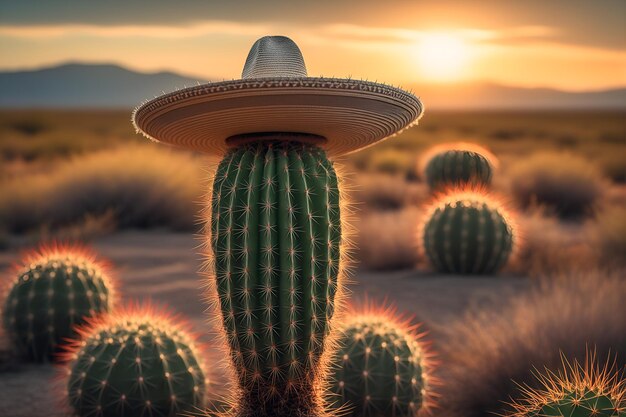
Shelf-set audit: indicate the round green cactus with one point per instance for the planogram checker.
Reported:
(579, 404)
(587, 390)
(379, 368)
(467, 233)
(458, 165)
(276, 238)
(134, 363)
(53, 289)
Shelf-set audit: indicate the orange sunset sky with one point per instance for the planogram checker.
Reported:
(566, 44)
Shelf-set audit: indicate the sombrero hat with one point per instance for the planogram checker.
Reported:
(275, 97)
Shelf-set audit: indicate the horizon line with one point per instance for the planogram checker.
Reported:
(216, 79)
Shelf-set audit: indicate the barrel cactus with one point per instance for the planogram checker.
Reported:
(380, 367)
(588, 390)
(467, 232)
(53, 289)
(276, 237)
(135, 362)
(458, 165)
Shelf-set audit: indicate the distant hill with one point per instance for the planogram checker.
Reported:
(494, 96)
(95, 86)
(85, 85)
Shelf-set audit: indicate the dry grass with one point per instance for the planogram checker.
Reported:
(387, 241)
(44, 134)
(516, 133)
(391, 161)
(608, 233)
(566, 184)
(613, 166)
(549, 247)
(384, 192)
(488, 350)
(142, 186)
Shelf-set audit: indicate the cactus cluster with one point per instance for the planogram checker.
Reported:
(276, 238)
(587, 390)
(53, 289)
(467, 233)
(458, 165)
(379, 368)
(134, 363)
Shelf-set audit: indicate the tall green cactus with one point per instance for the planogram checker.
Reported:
(459, 165)
(466, 233)
(587, 390)
(378, 369)
(135, 363)
(53, 289)
(276, 238)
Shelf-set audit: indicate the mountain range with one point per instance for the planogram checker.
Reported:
(79, 85)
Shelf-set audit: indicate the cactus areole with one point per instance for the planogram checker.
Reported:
(378, 369)
(275, 216)
(276, 237)
(590, 389)
(458, 165)
(54, 288)
(137, 361)
(467, 232)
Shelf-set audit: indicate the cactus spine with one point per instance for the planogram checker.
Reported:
(54, 289)
(379, 369)
(467, 233)
(576, 391)
(465, 164)
(134, 363)
(276, 238)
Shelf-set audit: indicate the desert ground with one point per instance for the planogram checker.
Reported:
(164, 267)
(87, 177)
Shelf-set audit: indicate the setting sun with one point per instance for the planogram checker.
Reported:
(443, 56)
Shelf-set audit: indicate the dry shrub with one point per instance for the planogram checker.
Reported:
(488, 352)
(616, 196)
(567, 184)
(386, 241)
(384, 192)
(392, 161)
(614, 166)
(609, 234)
(91, 227)
(143, 186)
(548, 247)
(4, 240)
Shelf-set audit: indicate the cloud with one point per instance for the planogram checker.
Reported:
(401, 35)
(133, 31)
(331, 32)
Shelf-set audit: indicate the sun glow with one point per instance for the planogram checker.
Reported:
(443, 56)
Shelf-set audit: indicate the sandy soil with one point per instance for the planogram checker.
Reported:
(163, 267)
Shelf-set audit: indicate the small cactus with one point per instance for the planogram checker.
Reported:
(276, 238)
(458, 165)
(587, 390)
(379, 368)
(136, 362)
(467, 232)
(51, 290)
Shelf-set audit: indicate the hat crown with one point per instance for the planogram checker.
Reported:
(274, 56)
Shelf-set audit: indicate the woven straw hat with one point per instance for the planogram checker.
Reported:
(274, 98)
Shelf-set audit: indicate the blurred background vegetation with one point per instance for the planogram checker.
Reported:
(80, 174)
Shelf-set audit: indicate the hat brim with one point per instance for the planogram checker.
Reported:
(348, 114)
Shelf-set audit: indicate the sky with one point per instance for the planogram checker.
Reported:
(572, 45)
